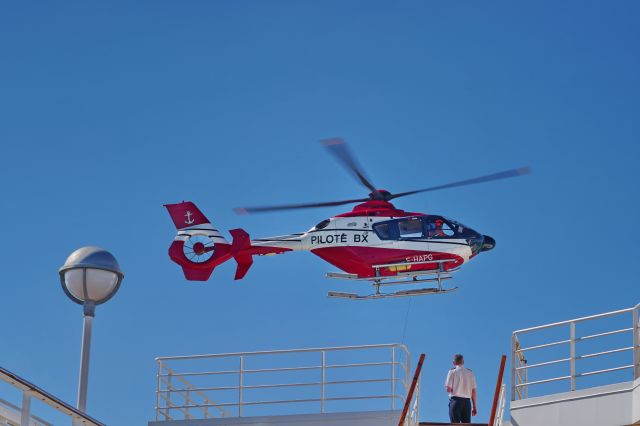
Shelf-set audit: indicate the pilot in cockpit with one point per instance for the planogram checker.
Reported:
(435, 229)
(439, 231)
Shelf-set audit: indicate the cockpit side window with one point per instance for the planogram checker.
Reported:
(323, 224)
(383, 230)
(410, 228)
(439, 228)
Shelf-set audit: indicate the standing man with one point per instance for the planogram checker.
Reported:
(461, 387)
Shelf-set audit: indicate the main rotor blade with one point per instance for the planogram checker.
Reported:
(496, 176)
(338, 147)
(247, 210)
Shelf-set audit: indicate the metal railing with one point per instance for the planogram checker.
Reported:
(495, 418)
(411, 412)
(31, 391)
(520, 366)
(13, 413)
(413, 417)
(502, 402)
(235, 384)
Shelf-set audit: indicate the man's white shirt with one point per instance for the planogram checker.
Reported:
(461, 380)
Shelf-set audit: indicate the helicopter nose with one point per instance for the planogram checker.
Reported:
(488, 243)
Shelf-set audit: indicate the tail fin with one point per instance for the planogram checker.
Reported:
(241, 242)
(186, 215)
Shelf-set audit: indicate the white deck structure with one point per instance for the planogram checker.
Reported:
(588, 370)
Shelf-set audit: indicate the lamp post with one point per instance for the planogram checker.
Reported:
(90, 276)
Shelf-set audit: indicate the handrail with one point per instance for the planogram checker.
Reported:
(519, 366)
(496, 395)
(576, 320)
(284, 351)
(414, 383)
(29, 390)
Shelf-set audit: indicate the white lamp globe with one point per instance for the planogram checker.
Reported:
(91, 274)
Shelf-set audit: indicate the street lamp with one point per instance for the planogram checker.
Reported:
(90, 276)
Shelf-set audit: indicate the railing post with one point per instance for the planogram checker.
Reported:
(572, 343)
(418, 405)
(407, 374)
(525, 390)
(25, 414)
(187, 402)
(636, 344)
(158, 387)
(503, 402)
(324, 361)
(496, 394)
(167, 409)
(393, 377)
(513, 367)
(240, 386)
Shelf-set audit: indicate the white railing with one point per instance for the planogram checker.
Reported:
(31, 391)
(13, 414)
(413, 417)
(236, 384)
(520, 365)
(410, 412)
(502, 402)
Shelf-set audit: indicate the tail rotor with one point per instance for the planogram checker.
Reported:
(198, 247)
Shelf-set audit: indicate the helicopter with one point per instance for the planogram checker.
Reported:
(374, 242)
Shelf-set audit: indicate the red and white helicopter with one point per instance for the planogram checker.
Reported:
(374, 242)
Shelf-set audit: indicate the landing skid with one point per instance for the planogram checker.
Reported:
(405, 293)
(401, 278)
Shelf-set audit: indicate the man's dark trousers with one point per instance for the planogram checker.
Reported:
(459, 410)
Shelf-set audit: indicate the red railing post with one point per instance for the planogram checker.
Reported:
(407, 402)
(496, 395)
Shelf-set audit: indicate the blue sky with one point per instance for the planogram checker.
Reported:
(109, 110)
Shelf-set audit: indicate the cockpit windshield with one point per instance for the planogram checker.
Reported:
(459, 227)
